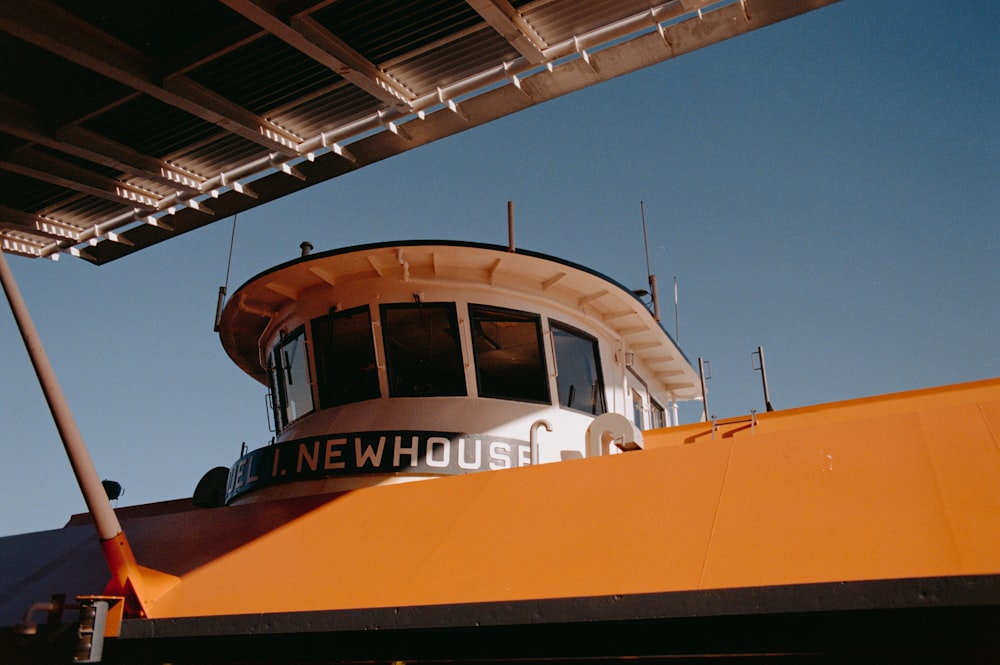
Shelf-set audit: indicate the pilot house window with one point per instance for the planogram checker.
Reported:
(637, 410)
(657, 415)
(290, 379)
(508, 349)
(578, 366)
(345, 357)
(423, 352)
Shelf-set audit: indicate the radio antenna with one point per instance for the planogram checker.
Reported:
(677, 327)
(225, 286)
(650, 276)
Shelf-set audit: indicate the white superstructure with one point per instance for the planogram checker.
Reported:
(401, 361)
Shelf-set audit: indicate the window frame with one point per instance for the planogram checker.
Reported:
(638, 409)
(541, 369)
(362, 388)
(657, 414)
(280, 374)
(390, 351)
(600, 404)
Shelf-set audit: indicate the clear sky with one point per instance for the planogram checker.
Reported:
(825, 188)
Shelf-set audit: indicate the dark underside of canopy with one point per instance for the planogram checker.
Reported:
(123, 124)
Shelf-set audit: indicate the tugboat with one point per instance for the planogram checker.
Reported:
(477, 459)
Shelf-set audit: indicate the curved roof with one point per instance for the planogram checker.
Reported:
(125, 124)
(254, 306)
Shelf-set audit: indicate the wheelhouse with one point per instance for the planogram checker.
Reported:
(396, 362)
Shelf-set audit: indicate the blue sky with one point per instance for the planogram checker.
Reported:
(825, 188)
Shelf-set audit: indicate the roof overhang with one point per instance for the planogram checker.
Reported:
(123, 125)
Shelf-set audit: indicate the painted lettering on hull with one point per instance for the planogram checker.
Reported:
(360, 453)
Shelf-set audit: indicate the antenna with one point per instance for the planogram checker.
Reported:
(510, 226)
(704, 373)
(677, 330)
(222, 289)
(650, 276)
(756, 356)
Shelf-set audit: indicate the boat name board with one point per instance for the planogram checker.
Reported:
(359, 453)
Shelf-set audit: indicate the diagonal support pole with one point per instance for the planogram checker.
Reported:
(128, 578)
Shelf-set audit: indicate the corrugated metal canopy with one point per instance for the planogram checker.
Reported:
(123, 124)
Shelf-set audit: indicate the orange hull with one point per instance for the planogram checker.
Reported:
(868, 492)
(890, 487)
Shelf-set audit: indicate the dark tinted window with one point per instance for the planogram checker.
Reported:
(423, 353)
(578, 368)
(345, 357)
(508, 349)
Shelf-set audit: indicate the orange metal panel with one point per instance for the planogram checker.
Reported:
(898, 486)
(834, 503)
(962, 447)
(585, 527)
